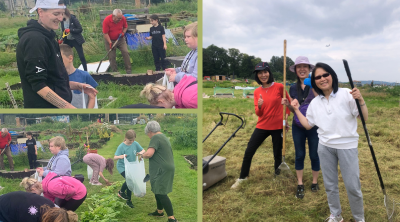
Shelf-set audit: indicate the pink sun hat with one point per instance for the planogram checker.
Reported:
(301, 60)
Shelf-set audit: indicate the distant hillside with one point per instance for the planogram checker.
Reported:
(377, 82)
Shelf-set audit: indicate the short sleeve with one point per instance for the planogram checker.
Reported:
(125, 25)
(120, 150)
(106, 29)
(162, 30)
(138, 147)
(34, 141)
(310, 116)
(91, 81)
(154, 143)
(352, 103)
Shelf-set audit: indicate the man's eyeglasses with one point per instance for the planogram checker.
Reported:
(323, 75)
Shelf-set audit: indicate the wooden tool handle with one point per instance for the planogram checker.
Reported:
(284, 96)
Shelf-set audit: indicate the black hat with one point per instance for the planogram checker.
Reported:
(261, 66)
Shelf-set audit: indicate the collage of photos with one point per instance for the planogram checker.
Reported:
(100, 163)
(293, 108)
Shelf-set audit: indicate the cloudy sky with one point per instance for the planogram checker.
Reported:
(365, 33)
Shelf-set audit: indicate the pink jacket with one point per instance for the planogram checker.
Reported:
(186, 97)
(63, 187)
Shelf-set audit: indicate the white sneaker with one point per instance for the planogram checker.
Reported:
(334, 219)
(236, 184)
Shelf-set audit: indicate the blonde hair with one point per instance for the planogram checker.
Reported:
(54, 214)
(58, 141)
(29, 183)
(130, 135)
(193, 28)
(152, 92)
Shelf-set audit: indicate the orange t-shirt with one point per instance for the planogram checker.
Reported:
(270, 116)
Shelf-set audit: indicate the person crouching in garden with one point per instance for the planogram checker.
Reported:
(98, 163)
(335, 113)
(161, 168)
(129, 148)
(59, 163)
(65, 191)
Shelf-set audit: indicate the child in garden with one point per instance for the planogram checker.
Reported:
(32, 150)
(129, 148)
(159, 42)
(77, 75)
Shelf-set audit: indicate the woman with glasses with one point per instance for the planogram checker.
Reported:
(335, 113)
(304, 94)
(267, 102)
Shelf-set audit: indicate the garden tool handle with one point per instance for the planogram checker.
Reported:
(284, 96)
(346, 66)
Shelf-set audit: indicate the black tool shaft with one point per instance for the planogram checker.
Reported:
(346, 66)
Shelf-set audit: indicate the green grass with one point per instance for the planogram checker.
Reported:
(263, 199)
(183, 196)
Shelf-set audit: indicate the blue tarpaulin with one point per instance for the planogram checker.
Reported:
(17, 148)
(130, 17)
(137, 40)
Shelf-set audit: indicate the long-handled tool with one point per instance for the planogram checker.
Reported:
(390, 204)
(284, 171)
(65, 34)
(213, 165)
(115, 43)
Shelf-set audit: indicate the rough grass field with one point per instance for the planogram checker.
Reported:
(141, 58)
(262, 198)
(183, 196)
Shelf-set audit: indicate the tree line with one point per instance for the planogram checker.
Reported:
(228, 62)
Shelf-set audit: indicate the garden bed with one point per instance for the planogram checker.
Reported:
(192, 160)
(17, 174)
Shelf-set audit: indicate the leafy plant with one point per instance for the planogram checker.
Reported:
(105, 206)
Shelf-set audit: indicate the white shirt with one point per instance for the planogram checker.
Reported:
(336, 119)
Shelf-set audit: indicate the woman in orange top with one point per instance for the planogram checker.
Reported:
(267, 102)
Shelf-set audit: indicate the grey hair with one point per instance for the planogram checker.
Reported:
(4, 130)
(117, 12)
(152, 126)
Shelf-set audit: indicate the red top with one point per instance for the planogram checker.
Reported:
(4, 140)
(114, 29)
(270, 116)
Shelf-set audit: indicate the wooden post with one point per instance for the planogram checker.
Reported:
(107, 119)
(117, 116)
(17, 122)
(137, 3)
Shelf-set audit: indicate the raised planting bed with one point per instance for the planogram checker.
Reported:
(128, 79)
(123, 79)
(72, 145)
(192, 160)
(43, 162)
(95, 145)
(17, 174)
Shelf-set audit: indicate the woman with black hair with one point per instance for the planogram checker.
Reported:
(335, 113)
(267, 103)
(75, 38)
(304, 94)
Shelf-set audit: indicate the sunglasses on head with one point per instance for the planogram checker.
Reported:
(323, 75)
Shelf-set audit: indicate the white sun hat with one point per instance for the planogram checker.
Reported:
(49, 4)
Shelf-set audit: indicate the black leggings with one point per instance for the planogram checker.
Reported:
(79, 50)
(125, 187)
(69, 204)
(163, 202)
(32, 160)
(256, 140)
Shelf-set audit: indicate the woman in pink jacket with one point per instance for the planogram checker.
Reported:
(67, 192)
(183, 96)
